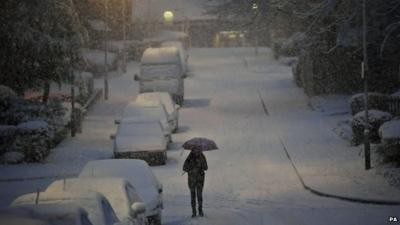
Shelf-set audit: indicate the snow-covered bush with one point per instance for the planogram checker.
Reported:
(95, 60)
(12, 157)
(390, 135)
(6, 92)
(376, 101)
(7, 137)
(396, 94)
(375, 118)
(17, 110)
(293, 45)
(33, 139)
(39, 127)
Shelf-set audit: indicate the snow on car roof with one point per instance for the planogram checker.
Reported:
(136, 171)
(52, 212)
(163, 97)
(138, 127)
(164, 55)
(114, 189)
(90, 201)
(144, 108)
(390, 130)
(176, 44)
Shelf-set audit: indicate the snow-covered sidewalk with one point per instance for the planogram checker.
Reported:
(70, 156)
(326, 162)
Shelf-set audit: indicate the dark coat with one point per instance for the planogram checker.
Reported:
(195, 165)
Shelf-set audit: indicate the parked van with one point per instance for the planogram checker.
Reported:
(182, 53)
(161, 71)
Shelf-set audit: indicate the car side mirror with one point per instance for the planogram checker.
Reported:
(112, 136)
(136, 77)
(117, 121)
(138, 208)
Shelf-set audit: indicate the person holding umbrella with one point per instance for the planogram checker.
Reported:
(195, 165)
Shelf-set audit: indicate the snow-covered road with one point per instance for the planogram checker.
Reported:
(247, 105)
(250, 179)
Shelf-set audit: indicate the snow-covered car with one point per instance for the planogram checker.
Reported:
(161, 70)
(182, 54)
(141, 139)
(148, 110)
(121, 195)
(139, 174)
(98, 208)
(166, 99)
(30, 213)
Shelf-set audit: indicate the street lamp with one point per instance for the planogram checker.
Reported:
(105, 52)
(123, 37)
(168, 17)
(367, 151)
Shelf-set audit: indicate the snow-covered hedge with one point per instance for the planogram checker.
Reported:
(30, 128)
(375, 118)
(390, 135)
(33, 139)
(376, 101)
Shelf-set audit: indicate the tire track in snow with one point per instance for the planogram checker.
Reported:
(263, 103)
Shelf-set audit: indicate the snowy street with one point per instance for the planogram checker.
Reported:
(252, 109)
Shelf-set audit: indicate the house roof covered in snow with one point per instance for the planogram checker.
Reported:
(153, 10)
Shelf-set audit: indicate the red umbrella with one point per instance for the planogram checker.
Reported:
(202, 144)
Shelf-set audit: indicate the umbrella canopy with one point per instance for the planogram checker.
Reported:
(202, 144)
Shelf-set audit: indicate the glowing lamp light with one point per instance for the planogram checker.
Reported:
(168, 16)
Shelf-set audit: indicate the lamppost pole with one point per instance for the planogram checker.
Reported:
(123, 36)
(255, 10)
(367, 150)
(105, 52)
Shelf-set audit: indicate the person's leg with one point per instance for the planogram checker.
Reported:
(193, 201)
(199, 191)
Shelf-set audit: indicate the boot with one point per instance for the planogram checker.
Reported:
(194, 214)
(201, 211)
